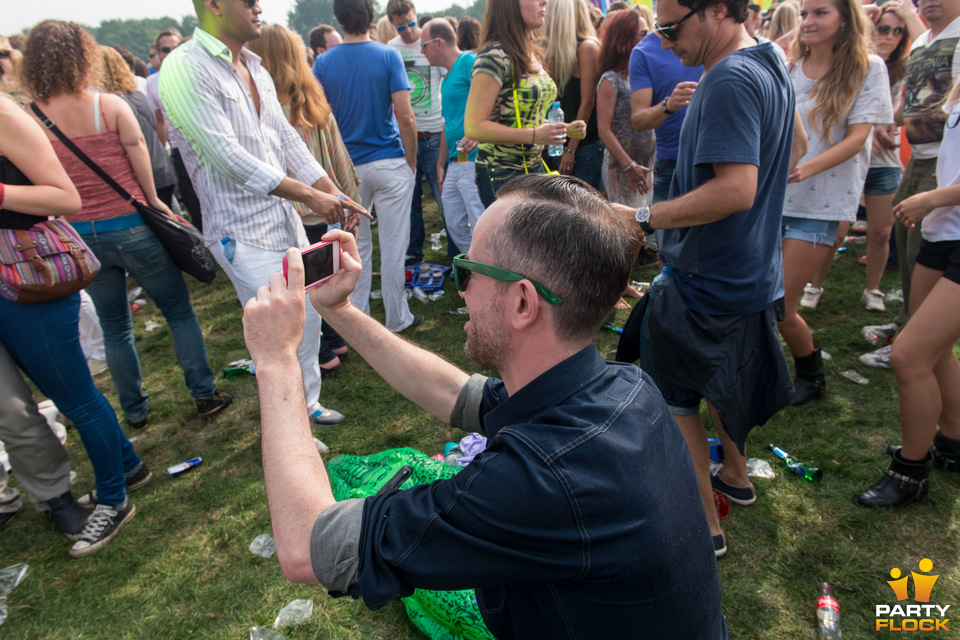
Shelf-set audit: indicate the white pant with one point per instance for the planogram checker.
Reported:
(251, 269)
(461, 202)
(91, 337)
(387, 185)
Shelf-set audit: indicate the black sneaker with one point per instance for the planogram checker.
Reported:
(136, 478)
(12, 507)
(209, 406)
(68, 515)
(102, 525)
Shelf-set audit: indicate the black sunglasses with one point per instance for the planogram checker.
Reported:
(885, 30)
(670, 31)
(166, 49)
(250, 3)
(461, 276)
(5, 53)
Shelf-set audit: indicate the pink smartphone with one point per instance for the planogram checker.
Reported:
(320, 262)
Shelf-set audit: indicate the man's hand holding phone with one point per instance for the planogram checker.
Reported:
(273, 321)
(335, 292)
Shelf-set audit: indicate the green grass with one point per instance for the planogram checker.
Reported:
(181, 567)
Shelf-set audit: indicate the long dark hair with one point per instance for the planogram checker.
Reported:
(503, 24)
(897, 60)
(618, 41)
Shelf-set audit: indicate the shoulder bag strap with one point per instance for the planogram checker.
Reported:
(69, 144)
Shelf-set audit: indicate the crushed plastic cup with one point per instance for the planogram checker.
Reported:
(419, 294)
(12, 576)
(460, 311)
(297, 612)
(322, 449)
(376, 295)
(3, 610)
(850, 374)
(642, 287)
(758, 468)
(870, 336)
(263, 546)
(825, 355)
(263, 633)
(134, 293)
(894, 296)
(151, 326)
(435, 241)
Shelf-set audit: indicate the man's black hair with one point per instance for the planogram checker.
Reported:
(355, 16)
(736, 9)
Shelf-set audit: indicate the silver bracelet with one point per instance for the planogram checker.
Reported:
(629, 168)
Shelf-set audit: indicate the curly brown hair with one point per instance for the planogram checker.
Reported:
(115, 75)
(59, 58)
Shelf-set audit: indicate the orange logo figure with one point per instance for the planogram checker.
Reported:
(923, 585)
(899, 586)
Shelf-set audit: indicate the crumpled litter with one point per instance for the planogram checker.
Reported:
(263, 546)
(9, 579)
(297, 612)
(471, 445)
(759, 468)
(263, 633)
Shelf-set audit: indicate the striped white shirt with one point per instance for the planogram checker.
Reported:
(235, 156)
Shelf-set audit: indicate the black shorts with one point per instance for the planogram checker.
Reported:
(941, 256)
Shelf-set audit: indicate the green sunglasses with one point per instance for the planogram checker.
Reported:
(461, 275)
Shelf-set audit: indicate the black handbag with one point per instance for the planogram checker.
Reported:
(182, 240)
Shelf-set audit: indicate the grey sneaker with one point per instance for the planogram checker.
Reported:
(102, 525)
(325, 418)
(879, 359)
(883, 332)
(136, 478)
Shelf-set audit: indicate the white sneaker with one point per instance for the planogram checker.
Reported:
(872, 300)
(811, 297)
(96, 366)
(325, 418)
(879, 359)
(880, 331)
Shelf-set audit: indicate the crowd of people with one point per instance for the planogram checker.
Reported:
(711, 124)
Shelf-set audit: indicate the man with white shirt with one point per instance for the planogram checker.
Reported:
(425, 99)
(239, 149)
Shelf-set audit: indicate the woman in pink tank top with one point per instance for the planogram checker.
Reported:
(59, 68)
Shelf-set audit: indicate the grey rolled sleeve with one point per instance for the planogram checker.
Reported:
(335, 544)
(466, 411)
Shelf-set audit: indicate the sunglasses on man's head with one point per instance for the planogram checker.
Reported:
(885, 30)
(461, 276)
(671, 32)
(404, 27)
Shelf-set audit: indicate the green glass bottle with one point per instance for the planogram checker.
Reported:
(797, 466)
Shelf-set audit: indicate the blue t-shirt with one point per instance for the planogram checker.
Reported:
(651, 66)
(453, 100)
(359, 79)
(742, 112)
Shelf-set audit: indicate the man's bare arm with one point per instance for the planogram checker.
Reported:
(731, 190)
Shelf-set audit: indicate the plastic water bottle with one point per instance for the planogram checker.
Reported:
(555, 115)
(828, 614)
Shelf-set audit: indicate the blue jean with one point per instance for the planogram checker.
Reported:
(663, 171)
(588, 164)
(428, 152)
(44, 341)
(137, 251)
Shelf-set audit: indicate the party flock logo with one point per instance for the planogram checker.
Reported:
(913, 617)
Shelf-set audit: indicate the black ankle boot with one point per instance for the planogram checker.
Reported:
(903, 482)
(810, 382)
(68, 515)
(946, 453)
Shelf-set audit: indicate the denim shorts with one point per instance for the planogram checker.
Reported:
(882, 181)
(808, 230)
(941, 256)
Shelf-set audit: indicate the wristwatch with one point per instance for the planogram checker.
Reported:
(643, 219)
(663, 107)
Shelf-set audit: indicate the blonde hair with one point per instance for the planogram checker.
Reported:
(115, 75)
(385, 30)
(833, 94)
(647, 15)
(567, 24)
(284, 56)
(785, 19)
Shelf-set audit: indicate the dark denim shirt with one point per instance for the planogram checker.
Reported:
(582, 519)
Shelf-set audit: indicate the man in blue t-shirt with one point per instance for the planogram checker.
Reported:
(458, 179)
(365, 83)
(712, 318)
(661, 88)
